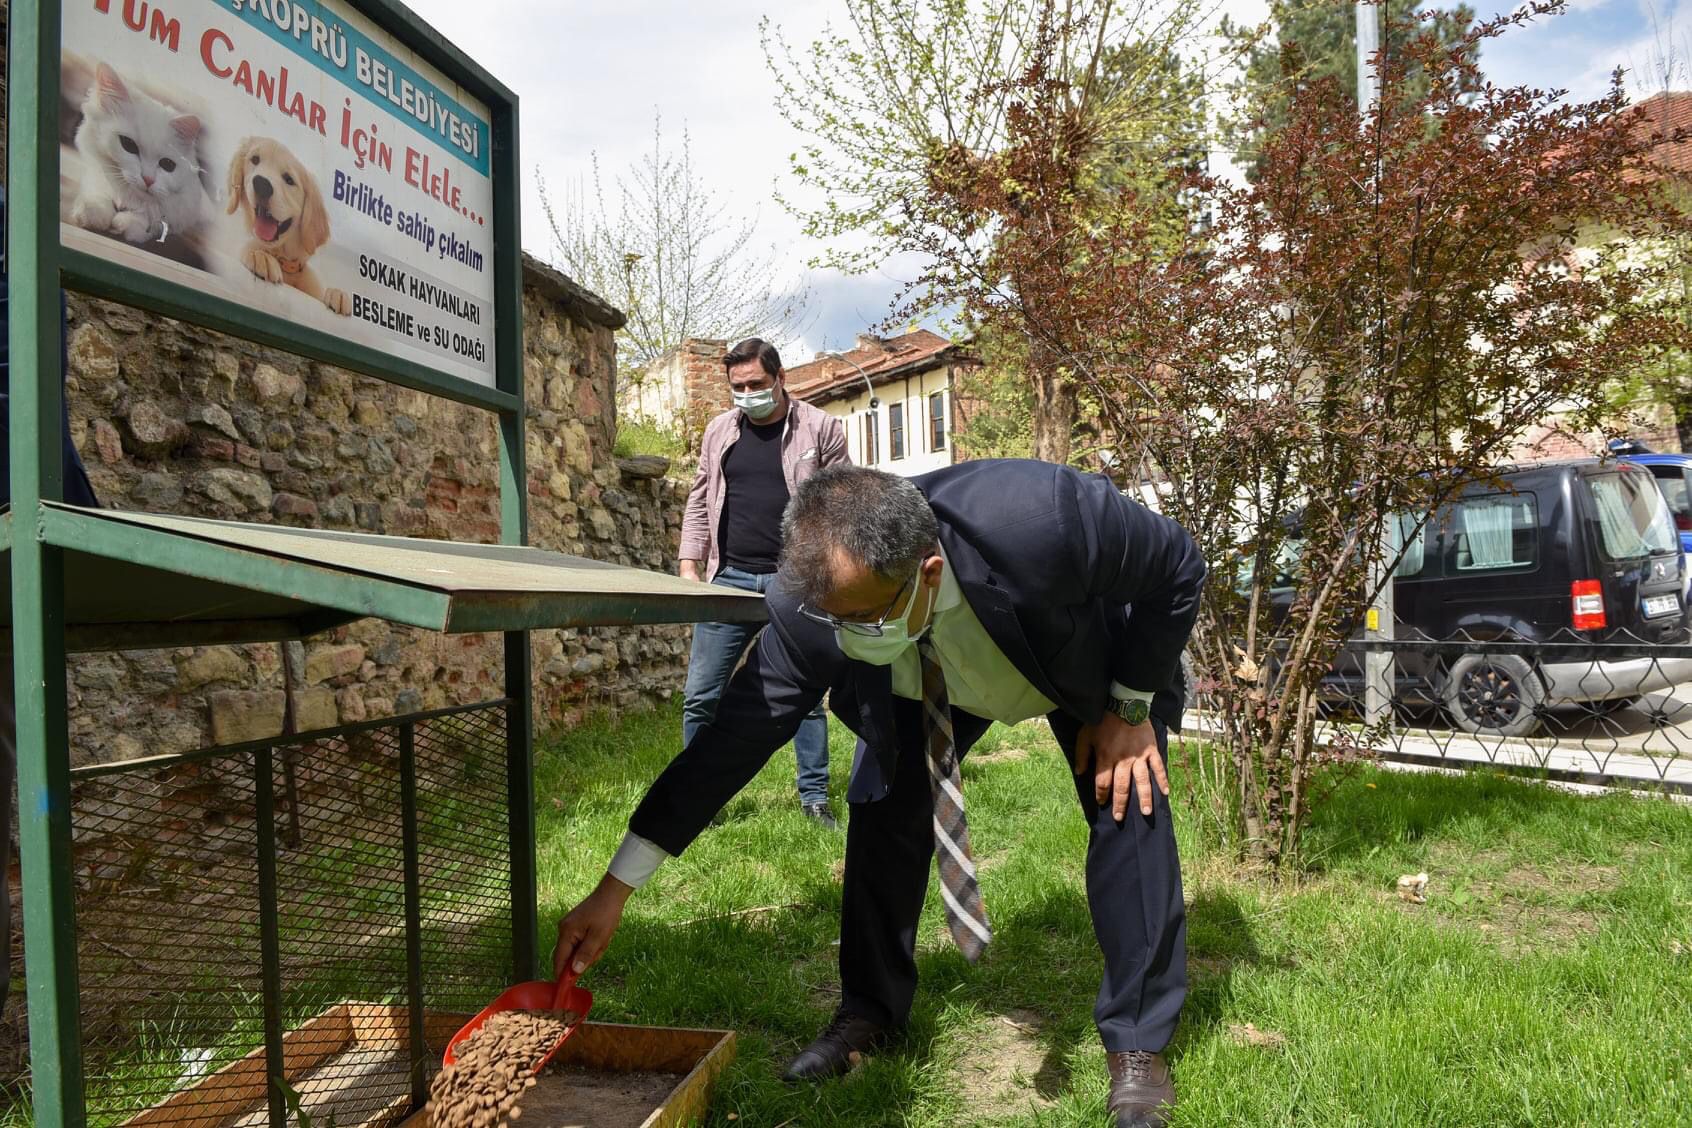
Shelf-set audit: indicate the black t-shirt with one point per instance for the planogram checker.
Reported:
(754, 495)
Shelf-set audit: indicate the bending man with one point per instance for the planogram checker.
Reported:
(930, 607)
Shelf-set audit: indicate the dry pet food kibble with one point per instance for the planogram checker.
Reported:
(493, 1068)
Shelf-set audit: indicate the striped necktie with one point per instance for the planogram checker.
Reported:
(966, 916)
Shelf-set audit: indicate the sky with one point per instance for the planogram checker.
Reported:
(591, 74)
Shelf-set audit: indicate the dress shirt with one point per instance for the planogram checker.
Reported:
(979, 680)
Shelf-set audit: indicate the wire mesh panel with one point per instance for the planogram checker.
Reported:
(1613, 711)
(168, 928)
(463, 876)
(340, 889)
(369, 863)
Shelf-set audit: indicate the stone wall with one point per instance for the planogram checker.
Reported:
(177, 419)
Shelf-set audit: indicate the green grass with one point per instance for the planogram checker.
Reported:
(636, 436)
(1548, 980)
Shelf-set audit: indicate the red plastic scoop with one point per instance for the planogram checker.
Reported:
(535, 995)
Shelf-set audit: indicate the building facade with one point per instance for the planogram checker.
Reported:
(913, 378)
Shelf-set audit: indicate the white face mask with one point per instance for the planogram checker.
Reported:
(756, 405)
(895, 637)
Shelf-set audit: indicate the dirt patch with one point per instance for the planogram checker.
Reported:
(999, 756)
(1522, 907)
(1001, 1069)
(1213, 966)
(1248, 1035)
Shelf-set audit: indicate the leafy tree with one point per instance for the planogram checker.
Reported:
(1366, 329)
(1665, 380)
(892, 99)
(1305, 41)
(664, 247)
(993, 402)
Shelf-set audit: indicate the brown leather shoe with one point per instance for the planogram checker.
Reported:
(837, 1049)
(1142, 1089)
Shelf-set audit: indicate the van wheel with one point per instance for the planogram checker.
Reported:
(1494, 694)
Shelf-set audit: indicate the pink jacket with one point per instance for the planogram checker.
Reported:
(812, 439)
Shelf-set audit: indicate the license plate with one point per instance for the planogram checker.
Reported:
(1661, 605)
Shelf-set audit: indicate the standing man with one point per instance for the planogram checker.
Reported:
(751, 460)
(928, 608)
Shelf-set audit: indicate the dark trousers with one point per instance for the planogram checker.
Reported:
(1133, 892)
(717, 650)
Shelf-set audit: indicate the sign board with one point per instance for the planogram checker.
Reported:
(288, 156)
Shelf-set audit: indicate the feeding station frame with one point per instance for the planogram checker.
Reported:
(85, 579)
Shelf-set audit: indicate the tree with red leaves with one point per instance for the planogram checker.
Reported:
(1348, 341)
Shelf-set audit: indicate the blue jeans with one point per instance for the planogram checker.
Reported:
(717, 648)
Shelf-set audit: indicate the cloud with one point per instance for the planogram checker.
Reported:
(591, 73)
(1578, 50)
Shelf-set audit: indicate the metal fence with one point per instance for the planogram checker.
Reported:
(1615, 712)
(316, 894)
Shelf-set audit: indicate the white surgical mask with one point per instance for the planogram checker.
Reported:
(756, 405)
(895, 637)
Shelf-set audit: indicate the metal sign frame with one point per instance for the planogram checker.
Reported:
(39, 267)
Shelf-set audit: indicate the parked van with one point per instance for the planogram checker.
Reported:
(1551, 552)
(1673, 473)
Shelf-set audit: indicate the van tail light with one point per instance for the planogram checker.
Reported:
(1588, 605)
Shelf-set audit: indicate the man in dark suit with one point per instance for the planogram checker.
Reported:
(929, 608)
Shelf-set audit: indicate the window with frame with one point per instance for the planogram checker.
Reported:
(1495, 532)
(1676, 485)
(1633, 517)
(896, 430)
(1407, 538)
(937, 421)
(872, 438)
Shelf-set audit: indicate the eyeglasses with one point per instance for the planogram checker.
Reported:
(856, 626)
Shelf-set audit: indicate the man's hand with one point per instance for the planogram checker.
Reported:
(587, 929)
(689, 570)
(1118, 753)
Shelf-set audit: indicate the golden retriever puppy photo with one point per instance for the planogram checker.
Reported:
(285, 215)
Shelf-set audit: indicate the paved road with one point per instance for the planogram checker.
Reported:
(1650, 741)
(1660, 723)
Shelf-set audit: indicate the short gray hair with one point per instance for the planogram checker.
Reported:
(878, 519)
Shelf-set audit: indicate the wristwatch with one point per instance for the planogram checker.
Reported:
(1131, 705)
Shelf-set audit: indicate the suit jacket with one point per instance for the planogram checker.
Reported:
(1077, 584)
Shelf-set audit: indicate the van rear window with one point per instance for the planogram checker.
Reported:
(1495, 531)
(1633, 519)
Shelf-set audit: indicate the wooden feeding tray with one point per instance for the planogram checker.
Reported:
(351, 1063)
(613, 1076)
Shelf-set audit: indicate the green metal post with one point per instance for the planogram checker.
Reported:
(270, 935)
(514, 529)
(413, 913)
(43, 741)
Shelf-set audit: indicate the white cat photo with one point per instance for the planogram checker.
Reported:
(140, 165)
